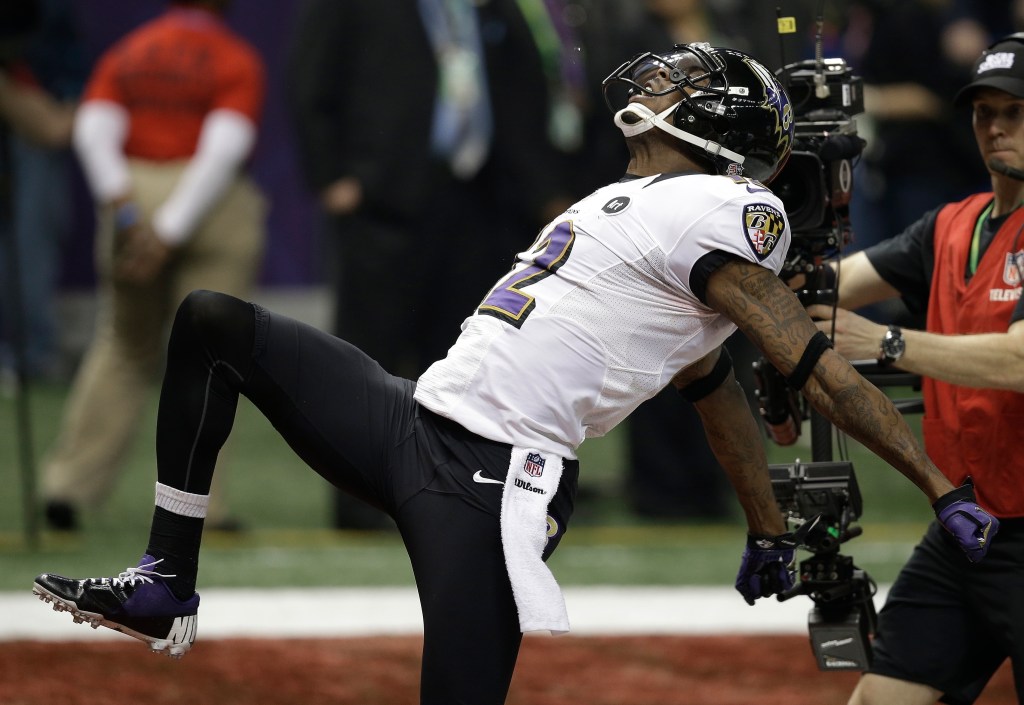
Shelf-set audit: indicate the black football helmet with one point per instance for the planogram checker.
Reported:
(732, 112)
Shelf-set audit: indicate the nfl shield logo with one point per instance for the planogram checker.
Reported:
(534, 464)
(1013, 267)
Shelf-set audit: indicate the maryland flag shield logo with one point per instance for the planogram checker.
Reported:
(764, 225)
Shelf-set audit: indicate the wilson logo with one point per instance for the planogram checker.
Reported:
(523, 484)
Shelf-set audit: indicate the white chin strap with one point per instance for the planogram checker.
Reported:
(648, 119)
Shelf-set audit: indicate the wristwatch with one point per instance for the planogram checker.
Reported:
(893, 346)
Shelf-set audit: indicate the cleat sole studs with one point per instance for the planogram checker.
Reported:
(164, 646)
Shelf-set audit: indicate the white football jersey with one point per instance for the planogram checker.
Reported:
(599, 314)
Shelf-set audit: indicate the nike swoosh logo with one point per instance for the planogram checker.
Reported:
(757, 190)
(478, 477)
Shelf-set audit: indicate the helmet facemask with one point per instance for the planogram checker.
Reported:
(717, 119)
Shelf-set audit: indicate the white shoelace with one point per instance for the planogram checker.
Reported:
(130, 576)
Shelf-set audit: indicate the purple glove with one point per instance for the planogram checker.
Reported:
(766, 566)
(971, 526)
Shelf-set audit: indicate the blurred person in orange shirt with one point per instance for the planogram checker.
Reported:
(167, 122)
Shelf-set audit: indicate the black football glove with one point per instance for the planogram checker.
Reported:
(767, 566)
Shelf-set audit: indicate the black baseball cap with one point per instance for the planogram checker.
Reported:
(1000, 66)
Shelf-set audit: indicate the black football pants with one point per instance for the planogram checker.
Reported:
(358, 427)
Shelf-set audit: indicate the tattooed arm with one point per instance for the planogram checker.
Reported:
(736, 442)
(772, 317)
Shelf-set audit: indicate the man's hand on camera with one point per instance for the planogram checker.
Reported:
(856, 337)
(767, 564)
(970, 525)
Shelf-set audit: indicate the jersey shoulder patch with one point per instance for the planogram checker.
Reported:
(764, 225)
(616, 205)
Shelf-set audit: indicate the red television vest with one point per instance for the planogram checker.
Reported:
(970, 431)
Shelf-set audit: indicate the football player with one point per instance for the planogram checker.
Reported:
(631, 289)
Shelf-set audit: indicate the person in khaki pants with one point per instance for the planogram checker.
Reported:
(167, 122)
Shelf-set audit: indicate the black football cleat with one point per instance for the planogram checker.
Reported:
(137, 602)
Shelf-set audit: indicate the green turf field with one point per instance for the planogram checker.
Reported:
(288, 542)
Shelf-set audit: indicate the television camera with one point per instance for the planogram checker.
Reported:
(815, 186)
(821, 501)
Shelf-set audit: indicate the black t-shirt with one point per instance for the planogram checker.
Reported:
(907, 261)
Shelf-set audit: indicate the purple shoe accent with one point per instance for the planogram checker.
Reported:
(155, 599)
(138, 602)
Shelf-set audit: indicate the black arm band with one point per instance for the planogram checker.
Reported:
(963, 493)
(816, 347)
(700, 388)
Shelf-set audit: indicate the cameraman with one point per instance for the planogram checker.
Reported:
(948, 624)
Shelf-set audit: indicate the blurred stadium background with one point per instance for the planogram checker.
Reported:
(286, 509)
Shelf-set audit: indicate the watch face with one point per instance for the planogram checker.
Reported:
(893, 344)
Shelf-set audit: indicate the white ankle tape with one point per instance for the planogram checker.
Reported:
(180, 502)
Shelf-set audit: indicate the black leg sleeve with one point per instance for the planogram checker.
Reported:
(209, 357)
(471, 634)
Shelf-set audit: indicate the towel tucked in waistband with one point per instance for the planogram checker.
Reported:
(532, 481)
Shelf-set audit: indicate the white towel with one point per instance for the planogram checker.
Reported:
(531, 483)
